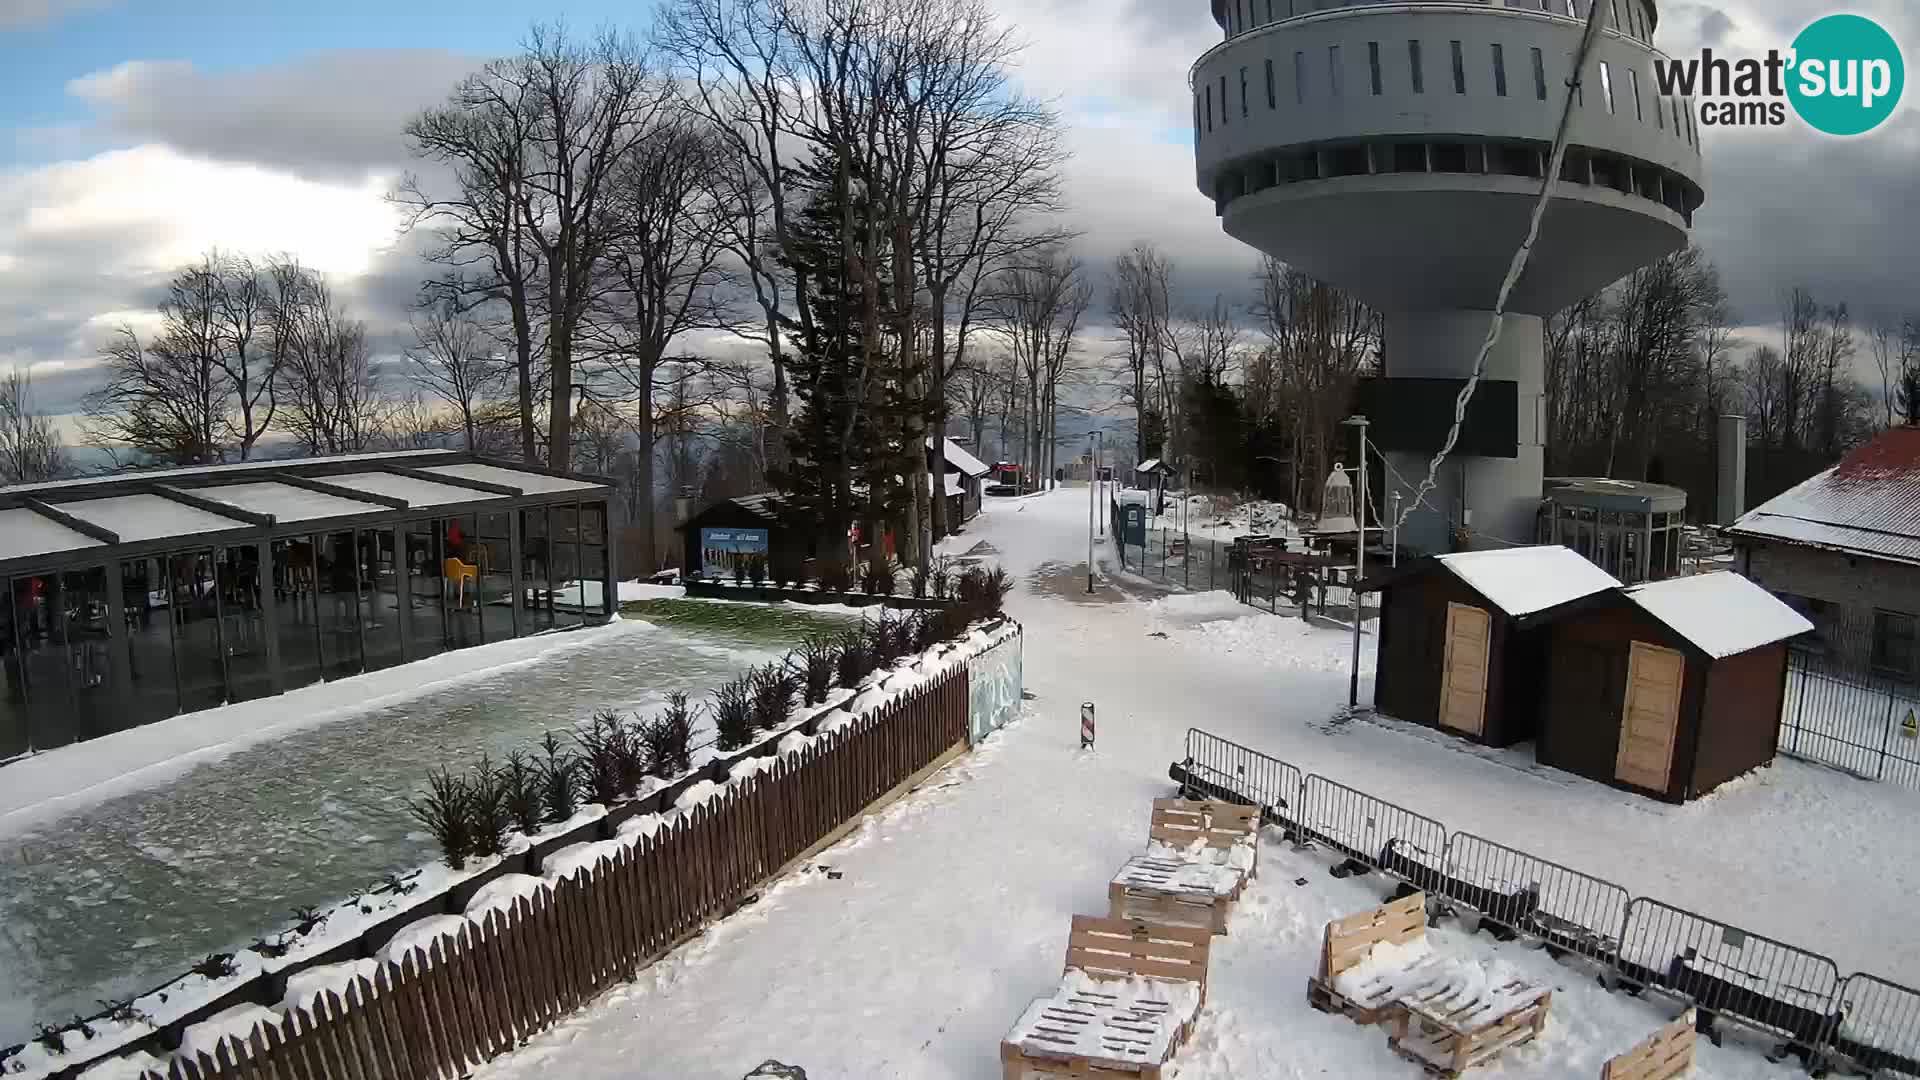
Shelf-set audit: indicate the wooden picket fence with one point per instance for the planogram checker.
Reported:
(467, 998)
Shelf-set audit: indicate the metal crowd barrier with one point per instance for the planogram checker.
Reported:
(1571, 911)
(1730, 973)
(1864, 1022)
(1393, 839)
(1879, 1027)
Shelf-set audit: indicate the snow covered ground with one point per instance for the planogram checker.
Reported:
(944, 916)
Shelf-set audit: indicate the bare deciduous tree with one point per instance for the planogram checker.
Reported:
(1040, 305)
(452, 360)
(30, 448)
(167, 398)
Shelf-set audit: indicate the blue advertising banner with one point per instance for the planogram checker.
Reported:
(722, 549)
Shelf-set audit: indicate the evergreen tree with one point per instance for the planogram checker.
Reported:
(847, 446)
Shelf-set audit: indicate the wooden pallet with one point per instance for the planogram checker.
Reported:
(1117, 949)
(1150, 890)
(1223, 825)
(1443, 1050)
(1321, 995)
(1665, 1055)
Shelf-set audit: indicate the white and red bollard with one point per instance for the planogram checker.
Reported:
(1086, 725)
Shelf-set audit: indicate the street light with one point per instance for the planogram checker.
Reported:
(1093, 439)
(1359, 424)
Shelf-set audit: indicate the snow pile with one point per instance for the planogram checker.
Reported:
(1179, 876)
(1523, 580)
(304, 986)
(640, 826)
(1238, 857)
(421, 934)
(500, 893)
(1474, 992)
(697, 794)
(642, 590)
(238, 1022)
(1081, 1017)
(576, 859)
(1722, 613)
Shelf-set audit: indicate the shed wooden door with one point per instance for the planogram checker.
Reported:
(1650, 717)
(1463, 673)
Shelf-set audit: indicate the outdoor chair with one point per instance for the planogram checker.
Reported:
(1127, 1000)
(1667, 1054)
(458, 573)
(1200, 856)
(1443, 1012)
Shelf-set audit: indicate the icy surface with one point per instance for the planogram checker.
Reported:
(24, 533)
(1723, 613)
(230, 819)
(888, 968)
(288, 503)
(149, 517)
(1524, 580)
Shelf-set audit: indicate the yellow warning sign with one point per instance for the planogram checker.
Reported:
(1910, 727)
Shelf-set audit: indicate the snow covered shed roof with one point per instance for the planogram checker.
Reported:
(1722, 614)
(1524, 580)
(745, 511)
(958, 458)
(1868, 504)
(953, 484)
(1152, 464)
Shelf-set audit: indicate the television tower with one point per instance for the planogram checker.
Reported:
(1396, 150)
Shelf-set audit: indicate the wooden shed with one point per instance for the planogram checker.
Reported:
(721, 535)
(1452, 652)
(1669, 689)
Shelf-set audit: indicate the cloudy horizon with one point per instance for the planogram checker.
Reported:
(143, 134)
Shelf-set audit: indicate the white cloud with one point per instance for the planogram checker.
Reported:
(170, 207)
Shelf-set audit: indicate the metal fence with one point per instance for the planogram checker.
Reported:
(1879, 1026)
(1843, 714)
(1726, 972)
(1730, 972)
(1570, 911)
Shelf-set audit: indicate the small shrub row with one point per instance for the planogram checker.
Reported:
(471, 814)
(877, 577)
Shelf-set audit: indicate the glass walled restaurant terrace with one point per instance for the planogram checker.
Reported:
(133, 597)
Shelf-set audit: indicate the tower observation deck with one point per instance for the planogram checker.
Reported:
(1396, 150)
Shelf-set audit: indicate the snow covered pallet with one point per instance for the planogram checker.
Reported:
(1175, 892)
(1665, 1055)
(1449, 1025)
(1350, 940)
(1128, 999)
(1204, 831)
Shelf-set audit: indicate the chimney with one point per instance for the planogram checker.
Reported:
(1731, 485)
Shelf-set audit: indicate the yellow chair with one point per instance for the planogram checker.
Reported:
(458, 573)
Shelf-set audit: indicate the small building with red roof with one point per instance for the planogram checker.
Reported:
(1843, 548)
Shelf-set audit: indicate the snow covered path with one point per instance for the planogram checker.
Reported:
(908, 949)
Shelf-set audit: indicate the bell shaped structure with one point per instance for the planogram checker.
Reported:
(1396, 150)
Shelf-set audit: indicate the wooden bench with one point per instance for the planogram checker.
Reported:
(1348, 941)
(1442, 1016)
(1200, 855)
(1666, 1055)
(1206, 830)
(1128, 998)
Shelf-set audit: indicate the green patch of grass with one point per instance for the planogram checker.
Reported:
(745, 622)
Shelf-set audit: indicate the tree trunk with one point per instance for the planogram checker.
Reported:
(645, 499)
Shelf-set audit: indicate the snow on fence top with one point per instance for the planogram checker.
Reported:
(1722, 613)
(1521, 581)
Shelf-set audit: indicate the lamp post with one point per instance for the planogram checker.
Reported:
(1359, 424)
(1090, 514)
(1396, 528)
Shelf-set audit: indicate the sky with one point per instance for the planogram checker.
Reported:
(136, 134)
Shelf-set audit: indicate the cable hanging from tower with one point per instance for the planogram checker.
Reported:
(1516, 268)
